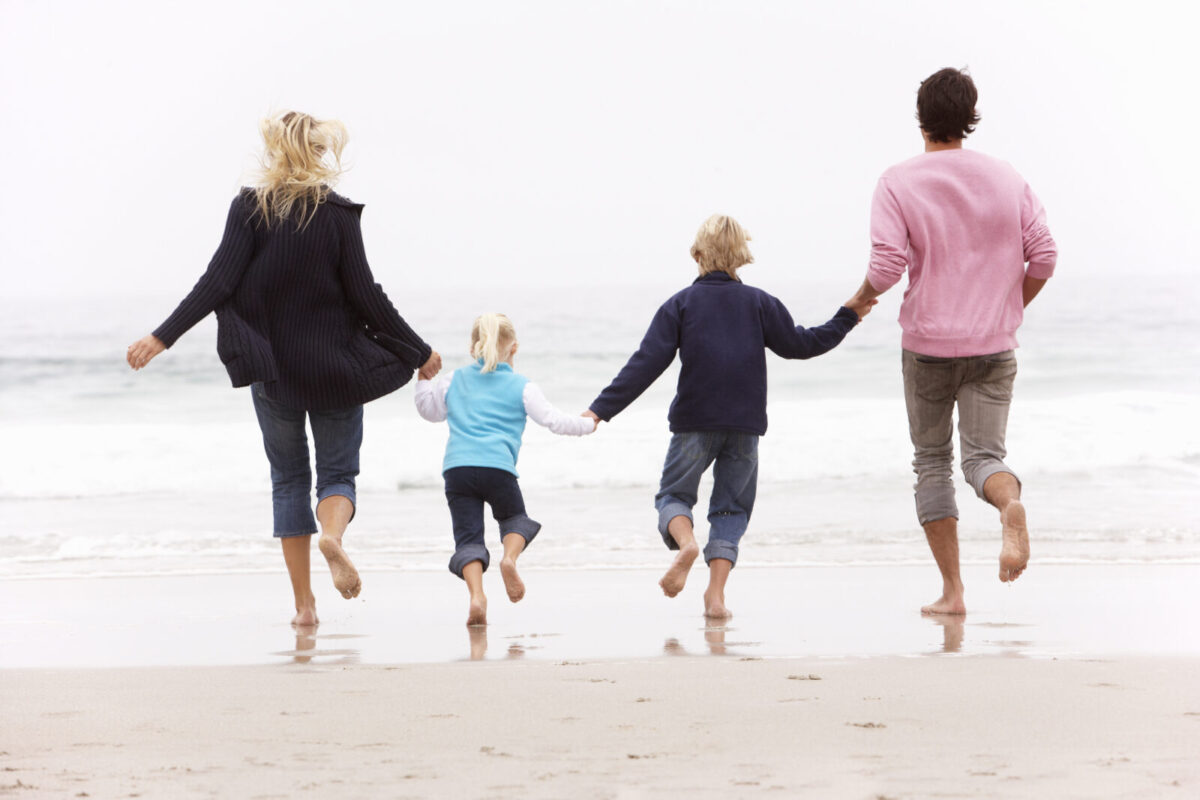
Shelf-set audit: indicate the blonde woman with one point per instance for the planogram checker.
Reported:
(301, 321)
(721, 329)
(486, 404)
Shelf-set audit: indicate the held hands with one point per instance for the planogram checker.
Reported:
(592, 416)
(861, 306)
(140, 352)
(431, 367)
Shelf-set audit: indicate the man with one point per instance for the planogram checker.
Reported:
(964, 225)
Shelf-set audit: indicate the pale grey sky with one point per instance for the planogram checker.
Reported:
(565, 142)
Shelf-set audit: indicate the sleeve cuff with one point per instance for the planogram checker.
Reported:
(1041, 271)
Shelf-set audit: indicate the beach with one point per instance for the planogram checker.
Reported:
(1072, 683)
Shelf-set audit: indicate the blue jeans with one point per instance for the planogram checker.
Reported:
(467, 489)
(735, 481)
(337, 436)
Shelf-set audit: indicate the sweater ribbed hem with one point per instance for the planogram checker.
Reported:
(959, 346)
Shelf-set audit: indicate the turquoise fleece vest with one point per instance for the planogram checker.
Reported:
(486, 413)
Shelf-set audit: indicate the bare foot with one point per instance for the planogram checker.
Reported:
(345, 576)
(714, 607)
(673, 581)
(305, 617)
(1014, 552)
(945, 605)
(477, 614)
(512, 581)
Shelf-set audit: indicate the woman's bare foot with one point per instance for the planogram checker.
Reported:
(305, 617)
(1014, 552)
(345, 576)
(946, 604)
(714, 606)
(512, 581)
(477, 613)
(673, 581)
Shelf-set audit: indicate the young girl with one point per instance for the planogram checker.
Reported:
(486, 404)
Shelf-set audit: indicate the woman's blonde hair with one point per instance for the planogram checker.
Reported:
(301, 160)
(491, 336)
(721, 246)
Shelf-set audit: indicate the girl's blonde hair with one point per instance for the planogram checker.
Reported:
(491, 336)
(721, 245)
(301, 160)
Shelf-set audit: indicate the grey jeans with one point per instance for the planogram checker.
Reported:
(982, 388)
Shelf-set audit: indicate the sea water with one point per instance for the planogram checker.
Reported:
(107, 471)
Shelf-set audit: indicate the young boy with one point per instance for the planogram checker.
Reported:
(720, 326)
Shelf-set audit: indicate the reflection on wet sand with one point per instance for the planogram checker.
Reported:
(305, 649)
(477, 636)
(952, 630)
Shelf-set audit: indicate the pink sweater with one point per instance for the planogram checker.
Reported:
(964, 224)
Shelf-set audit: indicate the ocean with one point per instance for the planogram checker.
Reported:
(111, 472)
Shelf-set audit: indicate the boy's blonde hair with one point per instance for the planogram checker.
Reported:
(491, 335)
(301, 160)
(720, 246)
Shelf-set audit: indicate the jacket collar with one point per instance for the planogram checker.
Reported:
(716, 277)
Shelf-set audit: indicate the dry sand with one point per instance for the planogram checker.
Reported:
(659, 727)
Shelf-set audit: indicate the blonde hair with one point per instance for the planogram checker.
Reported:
(301, 160)
(491, 334)
(721, 246)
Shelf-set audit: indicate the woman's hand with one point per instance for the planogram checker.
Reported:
(860, 306)
(592, 416)
(140, 352)
(431, 367)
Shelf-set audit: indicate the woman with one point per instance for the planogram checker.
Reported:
(301, 321)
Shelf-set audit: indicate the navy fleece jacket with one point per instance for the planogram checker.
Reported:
(721, 328)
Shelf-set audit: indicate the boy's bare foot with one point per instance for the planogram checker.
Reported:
(1014, 552)
(477, 614)
(512, 581)
(946, 604)
(673, 581)
(305, 617)
(714, 607)
(345, 576)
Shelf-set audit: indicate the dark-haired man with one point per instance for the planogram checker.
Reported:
(964, 225)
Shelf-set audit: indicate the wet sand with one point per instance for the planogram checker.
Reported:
(1075, 682)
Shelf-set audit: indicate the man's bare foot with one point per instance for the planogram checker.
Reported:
(305, 617)
(345, 576)
(477, 614)
(946, 604)
(1014, 552)
(714, 607)
(512, 581)
(673, 581)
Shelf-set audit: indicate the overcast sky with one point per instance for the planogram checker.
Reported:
(564, 142)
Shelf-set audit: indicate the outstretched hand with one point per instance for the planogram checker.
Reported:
(861, 306)
(140, 352)
(431, 367)
(592, 416)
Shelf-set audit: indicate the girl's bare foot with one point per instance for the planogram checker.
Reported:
(673, 581)
(512, 581)
(1014, 552)
(477, 614)
(345, 576)
(714, 607)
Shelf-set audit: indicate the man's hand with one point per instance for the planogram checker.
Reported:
(592, 416)
(860, 306)
(140, 352)
(431, 367)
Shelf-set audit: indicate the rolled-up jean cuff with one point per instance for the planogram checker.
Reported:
(667, 513)
(293, 534)
(340, 489)
(522, 525)
(928, 512)
(719, 548)
(465, 555)
(981, 477)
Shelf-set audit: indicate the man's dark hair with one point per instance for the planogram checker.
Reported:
(946, 105)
